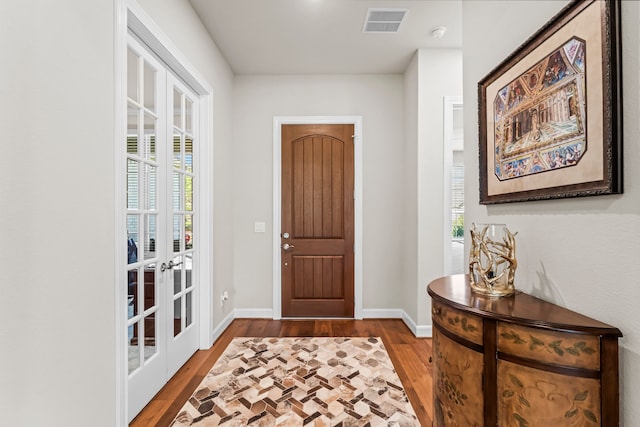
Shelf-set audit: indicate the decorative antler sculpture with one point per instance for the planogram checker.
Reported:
(492, 260)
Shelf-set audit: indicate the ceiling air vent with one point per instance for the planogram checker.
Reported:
(384, 20)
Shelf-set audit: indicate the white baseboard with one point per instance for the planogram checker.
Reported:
(222, 326)
(410, 323)
(253, 313)
(425, 331)
(383, 313)
(419, 331)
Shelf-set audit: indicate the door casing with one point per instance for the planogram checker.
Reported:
(278, 121)
(450, 103)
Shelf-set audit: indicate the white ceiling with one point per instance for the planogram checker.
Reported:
(324, 36)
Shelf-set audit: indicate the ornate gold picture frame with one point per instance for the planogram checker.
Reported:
(550, 114)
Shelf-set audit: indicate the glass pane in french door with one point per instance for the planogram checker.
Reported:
(142, 211)
(183, 209)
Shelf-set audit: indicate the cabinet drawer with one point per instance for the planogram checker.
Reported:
(558, 348)
(458, 322)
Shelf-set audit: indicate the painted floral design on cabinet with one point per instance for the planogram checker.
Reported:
(550, 347)
(460, 323)
(530, 397)
(458, 384)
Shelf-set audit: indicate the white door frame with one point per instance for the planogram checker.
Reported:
(449, 104)
(129, 16)
(278, 121)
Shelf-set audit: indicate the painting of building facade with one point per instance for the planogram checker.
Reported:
(540, 116)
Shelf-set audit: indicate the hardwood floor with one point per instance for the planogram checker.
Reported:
(410, 356)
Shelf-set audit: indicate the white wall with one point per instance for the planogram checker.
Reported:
(378, 99)
(180, 23)
(403, 174)
(412, 116)
(440, 76)
(57, 363)
(57, 357)
(431, 75)
(578, 253)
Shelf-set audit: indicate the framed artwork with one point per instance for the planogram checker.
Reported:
(550, 114)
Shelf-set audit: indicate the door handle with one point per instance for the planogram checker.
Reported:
(287, 246)
(164, 267)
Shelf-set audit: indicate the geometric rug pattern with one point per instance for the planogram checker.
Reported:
(310, 381)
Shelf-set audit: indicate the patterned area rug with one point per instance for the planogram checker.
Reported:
(300, 382)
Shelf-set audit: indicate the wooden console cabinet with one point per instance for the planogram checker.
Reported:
(519, 361)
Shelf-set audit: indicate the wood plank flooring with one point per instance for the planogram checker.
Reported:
(410, 356)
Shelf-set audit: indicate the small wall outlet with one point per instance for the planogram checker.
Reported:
(224, 297)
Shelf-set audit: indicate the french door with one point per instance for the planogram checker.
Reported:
(162, 149)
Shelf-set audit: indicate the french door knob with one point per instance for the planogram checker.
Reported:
(164, 266)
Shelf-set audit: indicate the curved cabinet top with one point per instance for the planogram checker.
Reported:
(520, 308)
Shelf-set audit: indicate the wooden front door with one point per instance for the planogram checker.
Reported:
(317, 231)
